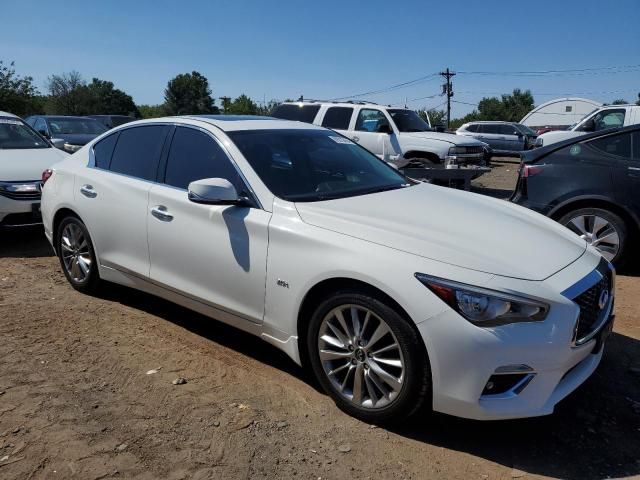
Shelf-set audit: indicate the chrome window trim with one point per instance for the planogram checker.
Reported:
(92, 160)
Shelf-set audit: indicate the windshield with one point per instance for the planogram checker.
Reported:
(312, 165)
(63, 126)
(524, 129)
(408, 120)
(583, 118)
(14, 135)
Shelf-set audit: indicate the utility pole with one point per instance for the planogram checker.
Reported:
(225, 103)
(447, 89)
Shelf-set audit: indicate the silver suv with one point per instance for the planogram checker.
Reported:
(503, 137)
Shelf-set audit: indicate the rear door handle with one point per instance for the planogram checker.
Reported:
(88, 191)
(355, 138)
(161, 213)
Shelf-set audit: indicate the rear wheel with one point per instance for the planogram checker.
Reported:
(368, 358)
(601, 228)
(76, 254)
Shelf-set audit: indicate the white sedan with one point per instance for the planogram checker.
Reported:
(24, 154)
(395, 293)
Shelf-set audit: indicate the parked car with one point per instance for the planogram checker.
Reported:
(589, 184)
(301, 236)
(603, 118)
(111, 121)
(23, 156)
(505, 138)
(71, 132)
(397, 135)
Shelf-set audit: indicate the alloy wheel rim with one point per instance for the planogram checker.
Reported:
(75, 252)
(598, 232)
(361, 356)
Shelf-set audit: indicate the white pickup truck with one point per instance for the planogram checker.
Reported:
(610, 116)
(396, 135)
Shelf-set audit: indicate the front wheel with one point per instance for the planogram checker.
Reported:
(368, 358)
(76, 254)
(601, 228)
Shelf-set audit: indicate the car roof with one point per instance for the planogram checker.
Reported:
(63, 117)
(7, 114)
(349, 103)
(229, 123)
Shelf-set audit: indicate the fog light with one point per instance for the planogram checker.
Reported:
(511, 384)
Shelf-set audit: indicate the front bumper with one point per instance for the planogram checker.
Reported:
(18, 209)
(465, 357)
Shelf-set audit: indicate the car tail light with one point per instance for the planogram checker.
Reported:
(46, 175)
(531, 170)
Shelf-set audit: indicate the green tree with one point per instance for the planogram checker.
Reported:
(104, 99)
(152, 111)
(18, 95)
(436, 117)
(619, 101)
(242, 105)
(67, 94)
(267, 108)
(188, 94)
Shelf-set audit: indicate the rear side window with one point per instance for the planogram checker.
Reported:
(618, 145)
(194, 155)
(103, 150)
(337, 118)
(298, 113)
(137, 152)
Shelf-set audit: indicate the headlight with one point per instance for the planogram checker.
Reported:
(484, 307)
(457, 150)
(72, 148)
(19, 187)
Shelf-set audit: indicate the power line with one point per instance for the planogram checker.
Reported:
(390, 88)
(571, 71)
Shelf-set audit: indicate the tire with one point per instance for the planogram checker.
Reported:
(77, 256)
(394, 383)
(601, 228)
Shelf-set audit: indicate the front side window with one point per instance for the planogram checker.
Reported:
(17, 135)
(613, 118)
(62, 126)
(408, 120)
(506, 129)
(525, 130)
(337, 118)
(472, 128)
(137, 151)
(313, 165)
(369, 120)
(618, 145)
(492, 128)
(41, 126)
(194, 155)
(295, 112)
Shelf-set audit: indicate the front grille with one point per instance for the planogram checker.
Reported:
(474, 150)
(591, 315)
(21, 196)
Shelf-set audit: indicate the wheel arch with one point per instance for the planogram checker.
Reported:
(597, 202)
(322, 289)
(60, 214)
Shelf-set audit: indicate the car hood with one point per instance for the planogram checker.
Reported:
(455, 227)
(557, 136)
(76, 138)
(443, 137)
(27, 164)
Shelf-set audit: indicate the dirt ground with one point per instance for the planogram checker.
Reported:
(77, 399)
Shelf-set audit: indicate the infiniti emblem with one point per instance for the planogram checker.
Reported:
(604, 299)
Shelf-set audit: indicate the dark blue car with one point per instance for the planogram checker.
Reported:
(72, 133)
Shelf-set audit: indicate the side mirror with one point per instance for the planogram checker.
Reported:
(215, 191)
(57, 142)
(589, 126)
(385, 128)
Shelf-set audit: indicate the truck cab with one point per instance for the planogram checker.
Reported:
(396, 135)
(610, 116)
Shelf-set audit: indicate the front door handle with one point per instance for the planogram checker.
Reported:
(161, 213)
(88, 191)
(355, 138)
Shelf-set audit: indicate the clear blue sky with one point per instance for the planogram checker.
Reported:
(327, 49)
